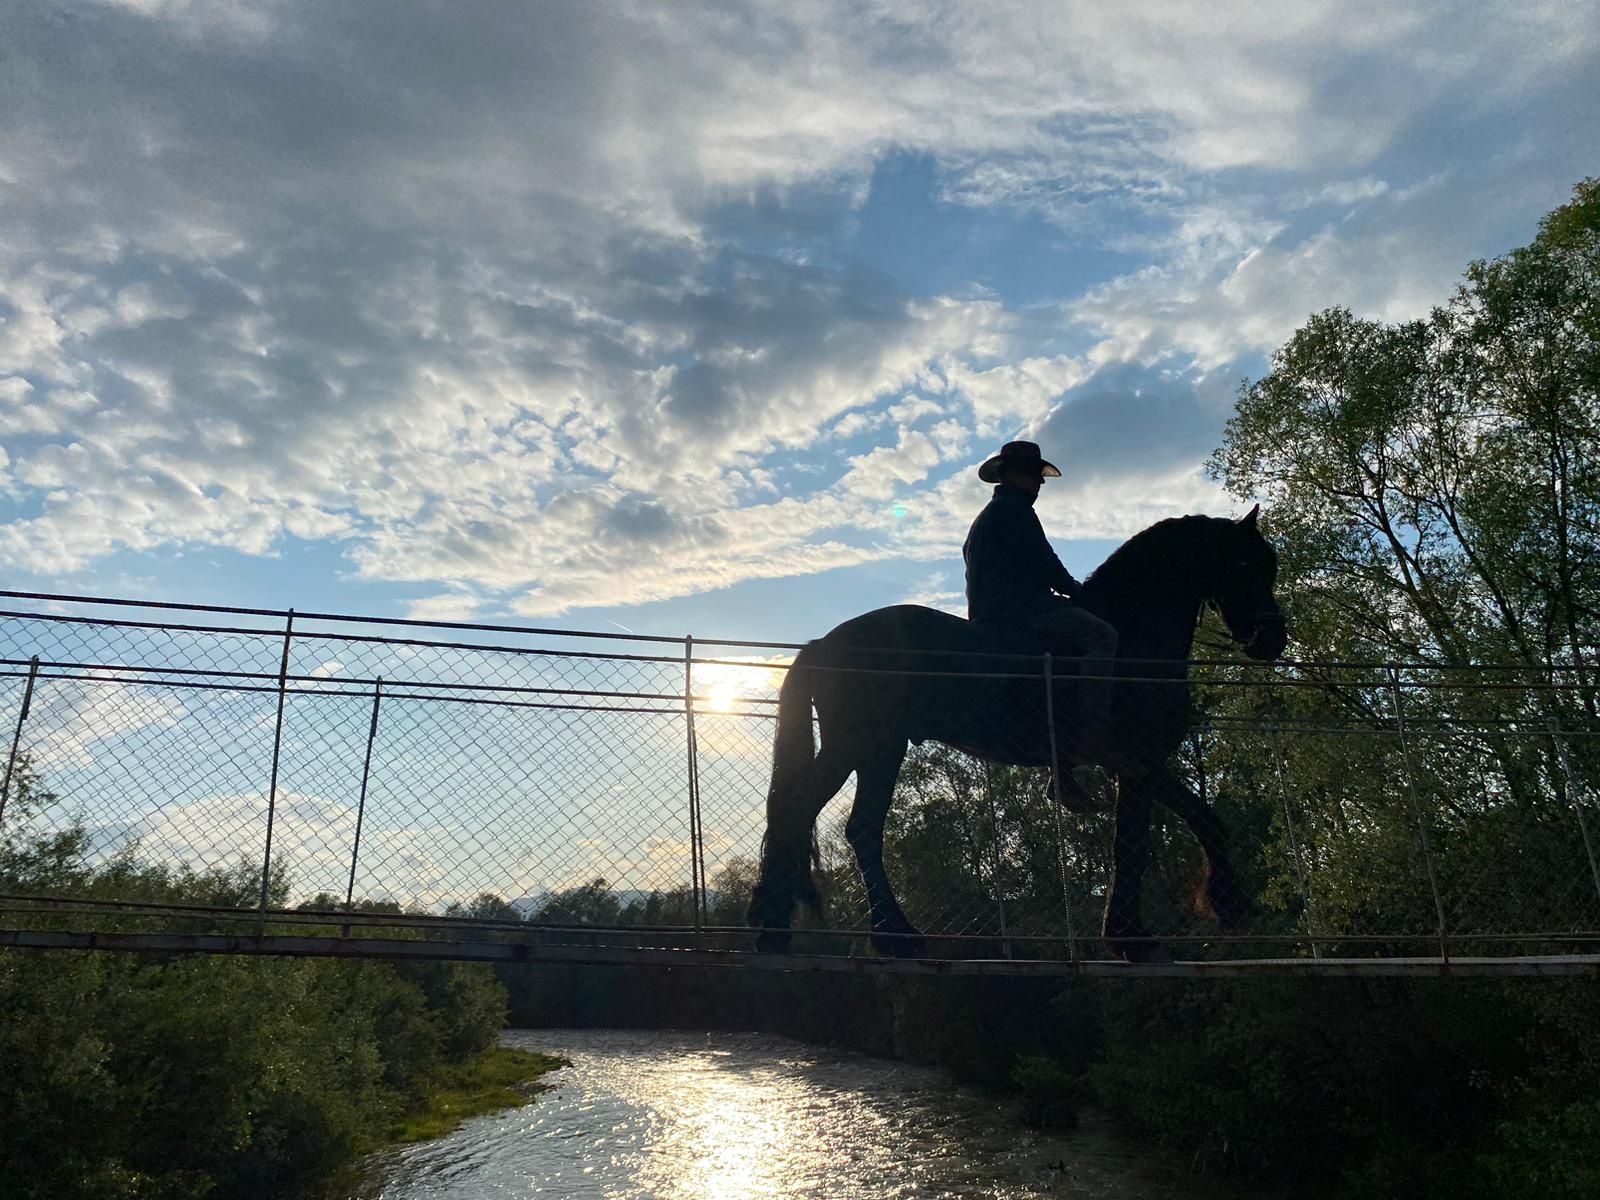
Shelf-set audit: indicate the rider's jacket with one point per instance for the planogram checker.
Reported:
(1012, 572)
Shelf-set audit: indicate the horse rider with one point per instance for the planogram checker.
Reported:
(1014, 578)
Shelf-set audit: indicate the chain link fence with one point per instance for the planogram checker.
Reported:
(232, 761)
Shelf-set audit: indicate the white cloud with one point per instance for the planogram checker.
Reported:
(446, 606)
(912, 409)
(877, 474)
(1014, 394)
(312, 836)
(72, 718)
(1142, 500)
(933, 591)
(1246, 290)
(460, 290)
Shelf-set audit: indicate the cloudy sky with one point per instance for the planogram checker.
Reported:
(699, 317)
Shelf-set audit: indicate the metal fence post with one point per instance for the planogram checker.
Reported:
(1416, 808)
(995, 861)
(16, 738)
(1294, 842)
(361, 805)
(697, 866)
(272, 784)
(1573, 798)
(1055, 805)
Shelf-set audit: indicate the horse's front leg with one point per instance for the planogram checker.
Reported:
(1124, 930)
(1218, 894)
(892, 933)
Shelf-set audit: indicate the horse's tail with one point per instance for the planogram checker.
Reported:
(789, 849)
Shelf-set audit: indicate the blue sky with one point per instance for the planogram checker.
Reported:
(699, 318)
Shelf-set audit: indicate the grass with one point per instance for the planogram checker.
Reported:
(499, 1078)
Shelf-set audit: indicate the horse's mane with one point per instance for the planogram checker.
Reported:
(1167, 546)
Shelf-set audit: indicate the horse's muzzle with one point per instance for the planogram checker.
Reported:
(1270, 637)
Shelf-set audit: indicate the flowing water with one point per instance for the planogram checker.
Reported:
(727, 1116)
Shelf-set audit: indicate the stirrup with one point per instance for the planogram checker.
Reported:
(1069, 790)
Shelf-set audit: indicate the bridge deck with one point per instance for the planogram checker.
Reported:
(461, 950)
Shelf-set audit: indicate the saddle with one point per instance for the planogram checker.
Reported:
(1008, 642)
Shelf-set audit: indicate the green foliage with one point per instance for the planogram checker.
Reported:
(978, 840)
(501, 1077)
(1433, 489)
(485, 906)
(130, 1076)
(1546, 1142)
(1051, 1094)
(1434, 1088)
(594, 903)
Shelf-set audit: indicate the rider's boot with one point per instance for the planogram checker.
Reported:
(1086, 788)
(1069, 791)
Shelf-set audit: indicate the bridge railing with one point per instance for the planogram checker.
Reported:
(189, 764)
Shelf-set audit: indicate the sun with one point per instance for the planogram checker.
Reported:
(736, 686)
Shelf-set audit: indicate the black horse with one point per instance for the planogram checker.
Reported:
(910, 674)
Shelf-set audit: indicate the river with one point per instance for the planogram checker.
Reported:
(724, 1116)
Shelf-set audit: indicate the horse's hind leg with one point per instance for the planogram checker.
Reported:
(786, 868)
(1219, 894)
(892, 933)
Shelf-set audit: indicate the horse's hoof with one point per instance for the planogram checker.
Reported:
(773, 941)
(900, 945)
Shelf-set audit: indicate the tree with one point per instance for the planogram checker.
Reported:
(485, 906)
(195, 1075)
(594, 903)
(1434, 492)
(1434, 486)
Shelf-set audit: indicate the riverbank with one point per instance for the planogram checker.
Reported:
(499, 1078)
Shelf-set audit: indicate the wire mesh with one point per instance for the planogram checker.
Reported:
(565, 782)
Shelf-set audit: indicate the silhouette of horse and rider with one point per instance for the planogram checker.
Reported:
(1119, 697)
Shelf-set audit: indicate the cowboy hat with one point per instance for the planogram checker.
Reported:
(1023, 454)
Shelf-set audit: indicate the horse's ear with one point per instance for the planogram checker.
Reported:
(1249, 519)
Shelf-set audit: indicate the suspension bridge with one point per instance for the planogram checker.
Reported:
(205, 779)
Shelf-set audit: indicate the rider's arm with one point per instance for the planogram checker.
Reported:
(1055, 574)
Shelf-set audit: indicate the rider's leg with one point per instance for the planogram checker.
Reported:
(1075, 631)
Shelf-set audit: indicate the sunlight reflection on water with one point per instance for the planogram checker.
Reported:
(675, 1116)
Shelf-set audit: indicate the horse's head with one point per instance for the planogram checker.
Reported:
(1247, 567)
